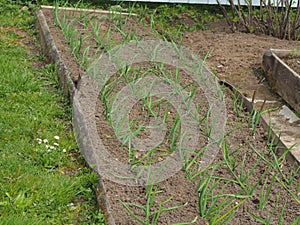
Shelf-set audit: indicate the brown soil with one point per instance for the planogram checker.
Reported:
(293, 62)
(236, 58)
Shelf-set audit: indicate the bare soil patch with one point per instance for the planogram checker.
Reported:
(293, 62)
(243, 170)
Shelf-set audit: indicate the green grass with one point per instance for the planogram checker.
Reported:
(40, 182)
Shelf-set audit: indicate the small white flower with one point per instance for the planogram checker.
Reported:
(45, 141)
(48, 150)
(64, 150)
(47, 146)
(52, 147)
(56, 144)
(56, 137)
(39, 141)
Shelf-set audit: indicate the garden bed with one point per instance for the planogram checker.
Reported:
(293, 61)
(282, 69)
(246, 182)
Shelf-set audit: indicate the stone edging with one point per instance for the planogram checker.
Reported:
(50, 50)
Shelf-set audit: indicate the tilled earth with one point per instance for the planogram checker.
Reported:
(235, 58)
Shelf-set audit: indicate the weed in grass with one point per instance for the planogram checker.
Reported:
(48, 154)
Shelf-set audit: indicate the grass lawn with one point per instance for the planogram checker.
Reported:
(43, 178)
